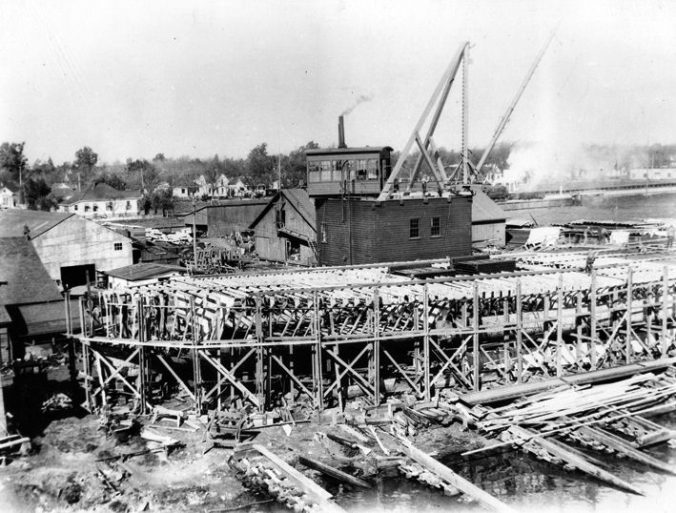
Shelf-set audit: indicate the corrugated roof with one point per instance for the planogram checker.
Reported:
(102, 191)
(144, 271)
(13, 221)
(26, 277)
(485, 209)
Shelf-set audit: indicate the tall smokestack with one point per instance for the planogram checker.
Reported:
(341, 132)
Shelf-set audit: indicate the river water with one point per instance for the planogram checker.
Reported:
(614, 208)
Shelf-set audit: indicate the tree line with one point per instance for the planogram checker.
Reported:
(36, 180)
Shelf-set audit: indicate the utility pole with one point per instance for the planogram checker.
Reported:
(279, 172)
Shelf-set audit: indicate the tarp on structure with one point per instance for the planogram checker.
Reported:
(619, 237)
(544, 236)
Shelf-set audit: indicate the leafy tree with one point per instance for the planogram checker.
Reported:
(294, 170)
(12, 159)
(85, 160)
(146, 177)
(46, 170)
(159, 157)
(37, 194)
(162, 199)
(115, 180)
(260, 166)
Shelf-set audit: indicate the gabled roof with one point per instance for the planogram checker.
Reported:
(298, 199)
(144, 271)
(13, 221)
(26, 277)
(100, 192)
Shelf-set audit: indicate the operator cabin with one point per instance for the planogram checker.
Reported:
(353, 227)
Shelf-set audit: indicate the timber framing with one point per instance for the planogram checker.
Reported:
(326, 334)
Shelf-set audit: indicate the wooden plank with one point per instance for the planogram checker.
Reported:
(616, 443)
(572, 458)
(307, 485)
(462, 484)
(333, 472)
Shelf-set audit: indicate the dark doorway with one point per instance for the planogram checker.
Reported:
(74, 275)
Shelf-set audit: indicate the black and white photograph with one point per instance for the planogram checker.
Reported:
(377, 256)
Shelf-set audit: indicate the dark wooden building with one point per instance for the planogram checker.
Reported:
(226, 217)
(285, 230)
(361, 230)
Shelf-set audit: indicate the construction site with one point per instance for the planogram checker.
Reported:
(405, 353)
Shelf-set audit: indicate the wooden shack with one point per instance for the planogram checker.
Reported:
(362, 230)
(285, 230)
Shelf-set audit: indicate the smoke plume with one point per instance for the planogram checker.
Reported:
(359, 100)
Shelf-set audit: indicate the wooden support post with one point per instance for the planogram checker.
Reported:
(519, 332)
(559, 325)
(592, 320)
(376, 347)
(578, 329)
(317, 376)
(196, 368)
(475, 335)
(260, 355)
(628, 315)
(426, 344)
(142, 367)
(665, 311)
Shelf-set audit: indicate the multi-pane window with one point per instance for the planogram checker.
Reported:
(117, 246)
(435, 227)
(414, 228)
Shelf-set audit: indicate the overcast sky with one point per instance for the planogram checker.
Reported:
(131, 79)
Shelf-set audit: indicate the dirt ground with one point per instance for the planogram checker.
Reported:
(63, 472)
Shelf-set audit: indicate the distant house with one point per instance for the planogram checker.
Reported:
(100, 200)
(285, 230)
(9, 197)
(221, 189)
(71, 248)
(31, 307)
(184, 188)
(665, 173)
(239, 189)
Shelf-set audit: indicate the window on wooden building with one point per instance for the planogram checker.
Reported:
(435, 227)
(323, 233)
(414, 228)
(117, 246)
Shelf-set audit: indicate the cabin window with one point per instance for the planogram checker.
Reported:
(74, 207)
(109, 206)
(117, 246)
(96, 208)
(414, 228)
(86, 208)
(435, 227)
(372, 169)
(128, 205)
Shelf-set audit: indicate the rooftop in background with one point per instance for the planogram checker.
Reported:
(100, 192)
(26, 277)
(337, 151)
(13, 221)
(144, 271)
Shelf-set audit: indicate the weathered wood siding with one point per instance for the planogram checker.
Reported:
(77, 241)
(359, 232)
(270, 245)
